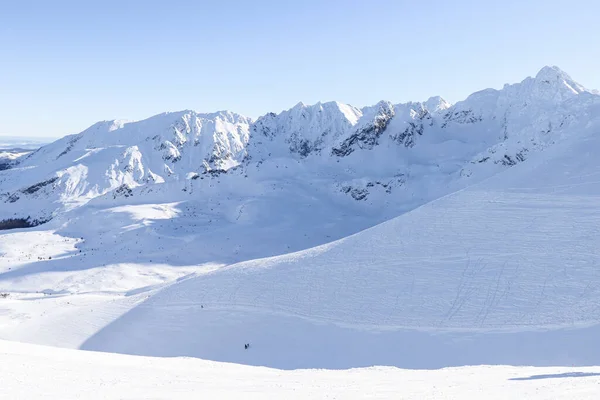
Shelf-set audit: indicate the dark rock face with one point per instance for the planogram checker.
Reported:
(509, 161)
(356, 193)
(14, 197)
(265, 126)
(415, 128)
(302, 147)
(461, 117)
(17, 223)
(34, 188)
(215, 172)
(407, 138)
(70, 146)
(520, 156)
(361, 192)
(366, 137)
(219, 156)
(122, 191)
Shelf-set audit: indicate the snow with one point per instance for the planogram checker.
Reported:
(554, 73)
(416, 235)
(392, 157)
(31, 371)
(437, 104)
(500, 272)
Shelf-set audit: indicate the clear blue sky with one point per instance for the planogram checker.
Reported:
(66, 64)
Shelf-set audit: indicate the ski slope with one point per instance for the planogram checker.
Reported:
(31, 371)
(501, 272)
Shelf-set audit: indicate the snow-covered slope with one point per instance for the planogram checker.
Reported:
(115, 156)
(501, 272)
(41, 372)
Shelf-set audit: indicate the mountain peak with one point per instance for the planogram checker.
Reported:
(299, 105)
(437, 103)
(552, 71)
(553, 75)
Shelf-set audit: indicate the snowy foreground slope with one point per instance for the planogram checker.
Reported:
(31, 371)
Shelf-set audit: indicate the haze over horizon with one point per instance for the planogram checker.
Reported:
(69, 64)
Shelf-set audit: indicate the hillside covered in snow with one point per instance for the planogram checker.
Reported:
(60, 373)
(417, 235)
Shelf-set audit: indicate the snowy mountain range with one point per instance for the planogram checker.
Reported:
(387, 156)
(419, 235)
